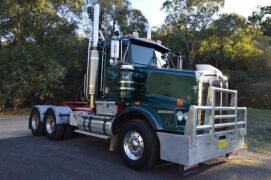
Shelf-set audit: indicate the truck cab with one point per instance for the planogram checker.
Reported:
(140, 98)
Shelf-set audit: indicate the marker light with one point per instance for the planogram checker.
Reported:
(137, 103)
(180, 102)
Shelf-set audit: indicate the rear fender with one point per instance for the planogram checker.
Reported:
(62, 114)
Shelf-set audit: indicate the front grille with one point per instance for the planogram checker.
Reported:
(221, 108)
(225, 96)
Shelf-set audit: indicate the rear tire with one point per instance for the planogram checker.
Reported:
(35, 123)
(139, 145)
(52, 130)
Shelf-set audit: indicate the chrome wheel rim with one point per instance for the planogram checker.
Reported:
(35, 121)
(50, 124)
(133, 145)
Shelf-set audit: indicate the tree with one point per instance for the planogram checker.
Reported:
(118, 15)
(188, 19)
(242, 52)
(136, 22)
(39, 46)
(259, 19)
(266, 26)
(19, 18)
(229, 43)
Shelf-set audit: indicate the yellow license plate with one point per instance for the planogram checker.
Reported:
(222, 143)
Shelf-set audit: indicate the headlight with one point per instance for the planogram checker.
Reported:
(180, 116)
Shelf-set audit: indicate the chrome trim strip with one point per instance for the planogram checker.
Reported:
(127, 88)
(92, 134)
(128, 82)
(127, 67)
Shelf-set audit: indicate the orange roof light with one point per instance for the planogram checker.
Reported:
(180, 102)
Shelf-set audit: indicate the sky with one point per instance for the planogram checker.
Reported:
(152, 8)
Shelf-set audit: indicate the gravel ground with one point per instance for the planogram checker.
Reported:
(23, 156)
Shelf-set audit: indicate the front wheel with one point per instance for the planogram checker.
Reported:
(139, 147)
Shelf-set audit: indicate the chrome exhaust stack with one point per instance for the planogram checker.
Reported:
(149, 33)
(93, 59)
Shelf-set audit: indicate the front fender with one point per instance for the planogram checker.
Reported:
(150, 115)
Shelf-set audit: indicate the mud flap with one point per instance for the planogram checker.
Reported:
(114, 142)
(189, 170)
(232, 155)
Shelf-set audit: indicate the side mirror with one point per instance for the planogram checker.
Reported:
(114, 52)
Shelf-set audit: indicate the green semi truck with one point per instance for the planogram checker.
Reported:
(140, 98)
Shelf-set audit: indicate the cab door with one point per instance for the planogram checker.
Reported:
(111, 77)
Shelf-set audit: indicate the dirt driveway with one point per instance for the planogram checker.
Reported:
(23, 156)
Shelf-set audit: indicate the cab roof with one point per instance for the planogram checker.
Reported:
(140, 42)
(147, 43)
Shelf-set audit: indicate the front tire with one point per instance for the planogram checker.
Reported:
(139, 146)
(35, 123)
(53, 131)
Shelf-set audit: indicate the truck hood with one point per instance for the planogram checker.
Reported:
(170, 84)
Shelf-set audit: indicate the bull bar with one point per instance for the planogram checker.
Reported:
(207, 139)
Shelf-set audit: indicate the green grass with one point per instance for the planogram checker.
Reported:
(259, 131)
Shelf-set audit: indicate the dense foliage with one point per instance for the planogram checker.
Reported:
(42, 57)
(118, 15)
(38, 47)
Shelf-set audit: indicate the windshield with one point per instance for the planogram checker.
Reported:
(149, 56)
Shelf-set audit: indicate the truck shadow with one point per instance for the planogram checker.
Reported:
(83, 157)
(202, 167)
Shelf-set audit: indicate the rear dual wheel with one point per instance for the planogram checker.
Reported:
(35, 123)
(52, 130)
(49, 127)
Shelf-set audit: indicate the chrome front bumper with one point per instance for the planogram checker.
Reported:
(177, 148)
(216, 135)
